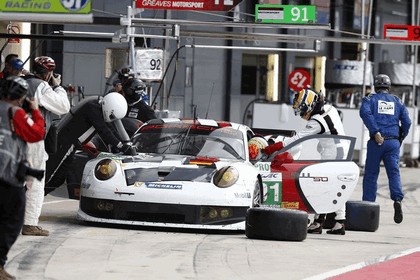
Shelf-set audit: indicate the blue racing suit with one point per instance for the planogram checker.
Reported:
(385, 113)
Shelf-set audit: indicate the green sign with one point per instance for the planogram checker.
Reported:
(271, 13)
(46, 6)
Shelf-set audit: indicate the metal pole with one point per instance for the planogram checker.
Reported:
(413, 95)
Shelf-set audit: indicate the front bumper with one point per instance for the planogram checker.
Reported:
(160, 214)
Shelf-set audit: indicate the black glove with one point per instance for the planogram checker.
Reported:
(128, 149)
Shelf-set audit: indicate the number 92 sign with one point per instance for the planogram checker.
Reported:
(149, 64)
(299, 79)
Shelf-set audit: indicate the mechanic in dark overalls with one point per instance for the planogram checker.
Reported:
(77, 128)
(134, 91)
(388, 122)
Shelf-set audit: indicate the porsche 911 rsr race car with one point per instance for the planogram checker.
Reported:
(197, 174)
(193, 174)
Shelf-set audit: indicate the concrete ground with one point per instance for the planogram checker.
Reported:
(75, 250)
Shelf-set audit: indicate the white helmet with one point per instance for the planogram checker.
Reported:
(114, 106)
(255, 146)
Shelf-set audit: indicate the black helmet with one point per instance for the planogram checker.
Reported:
(14, 87)
(134, 89)
(125, 74)
(382, 81)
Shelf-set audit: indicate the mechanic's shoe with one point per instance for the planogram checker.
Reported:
(315, 227)
(34, 230)
(4, 275)
(398, 214)
(338, 229)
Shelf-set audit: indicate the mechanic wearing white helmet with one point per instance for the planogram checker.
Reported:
(90, 116)
(322, 119)
(388, 122)
(44, 87)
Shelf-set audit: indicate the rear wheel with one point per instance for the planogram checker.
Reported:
(276, 224)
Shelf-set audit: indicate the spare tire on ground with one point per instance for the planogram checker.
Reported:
(276, 224)
(360, 216)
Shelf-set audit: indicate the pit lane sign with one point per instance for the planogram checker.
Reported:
(299, 79)
(149, 64)
(202, 5)
(291, 14)
(402, 32)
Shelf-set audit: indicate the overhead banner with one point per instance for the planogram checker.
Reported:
(46, 6)
(200, 5)
(347, 72)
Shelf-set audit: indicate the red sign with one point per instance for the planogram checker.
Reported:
(402, 32)
(202, 5)
(299, 79)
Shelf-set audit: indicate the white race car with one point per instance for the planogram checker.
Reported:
(197, 174)
(187, 173)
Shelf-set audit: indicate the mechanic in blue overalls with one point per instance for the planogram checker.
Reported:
(388, 122)
(322, 119)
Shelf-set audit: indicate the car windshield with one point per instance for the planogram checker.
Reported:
(191, 139)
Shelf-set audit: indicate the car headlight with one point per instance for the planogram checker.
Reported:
(105, 169)
(226, 177)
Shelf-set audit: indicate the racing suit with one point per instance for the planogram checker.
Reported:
(51, 101)
(75, 129)
(325, 121)
(384, 113)
(140, 110)
(16, 129)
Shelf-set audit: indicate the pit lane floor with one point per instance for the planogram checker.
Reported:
(75, 250)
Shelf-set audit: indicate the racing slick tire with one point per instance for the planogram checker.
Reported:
(276, 224)
(360, 216)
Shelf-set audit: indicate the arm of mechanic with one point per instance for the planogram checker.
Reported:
(54, 100)
(29, 129)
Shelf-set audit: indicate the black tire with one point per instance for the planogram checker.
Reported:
(360, 216)
(276, 224)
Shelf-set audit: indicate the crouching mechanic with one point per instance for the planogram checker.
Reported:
(92, 115)
(16, 130)
(388, 122)
(322, 119)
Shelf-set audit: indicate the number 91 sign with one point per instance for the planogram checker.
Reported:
(299, 79)
(149, 64)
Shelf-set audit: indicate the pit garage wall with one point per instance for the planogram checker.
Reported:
(281, 116)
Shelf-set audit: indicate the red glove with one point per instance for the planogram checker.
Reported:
(279, 159)
(273, 148)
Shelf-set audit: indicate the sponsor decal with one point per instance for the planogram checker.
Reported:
(47, 6)
(263, 166)
(163, 186)
(315, 178)
(271, 176)
(242, 195)
(290, 205)
(387, 108)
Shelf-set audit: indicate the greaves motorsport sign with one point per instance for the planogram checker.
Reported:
(46, 6)
(202, 5)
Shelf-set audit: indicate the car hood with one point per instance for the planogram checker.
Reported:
(152, 168)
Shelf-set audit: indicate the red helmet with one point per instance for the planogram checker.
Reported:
(44, 64)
